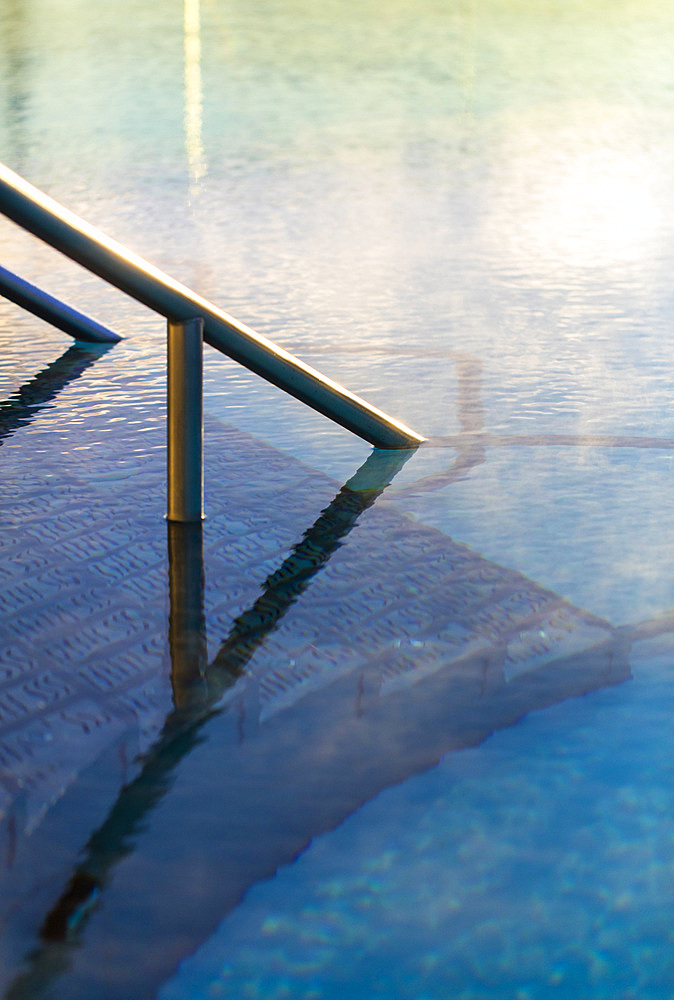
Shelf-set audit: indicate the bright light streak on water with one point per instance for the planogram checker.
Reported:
(193, 92)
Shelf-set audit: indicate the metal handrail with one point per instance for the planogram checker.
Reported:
(60, 315)
(72, 236)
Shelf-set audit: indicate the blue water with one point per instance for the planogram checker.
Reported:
(463, 212)
(537, 865)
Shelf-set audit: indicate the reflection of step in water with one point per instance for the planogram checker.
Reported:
(374, 646)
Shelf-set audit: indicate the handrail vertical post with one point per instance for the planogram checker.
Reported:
(184, 414)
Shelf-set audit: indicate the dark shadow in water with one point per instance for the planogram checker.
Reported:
(23, 406)
(197, 687)
(283, 587)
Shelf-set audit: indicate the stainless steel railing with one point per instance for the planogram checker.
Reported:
(60, 315)
(45, 218)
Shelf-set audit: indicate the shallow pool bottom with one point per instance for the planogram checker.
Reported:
(537, 865)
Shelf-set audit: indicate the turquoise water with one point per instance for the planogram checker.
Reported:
(463, 212)
(538, 865)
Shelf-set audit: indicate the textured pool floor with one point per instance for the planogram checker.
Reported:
(344, 646)
(85, 590)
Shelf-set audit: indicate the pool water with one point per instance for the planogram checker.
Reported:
(463, 212)
(537, 865)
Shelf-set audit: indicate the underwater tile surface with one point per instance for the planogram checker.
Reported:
(331, 667)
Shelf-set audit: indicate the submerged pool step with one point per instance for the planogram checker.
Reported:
(348, 647)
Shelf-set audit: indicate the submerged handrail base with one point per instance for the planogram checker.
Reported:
(72, 236)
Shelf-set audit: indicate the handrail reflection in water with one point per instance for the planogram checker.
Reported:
(24, 404)
(197, 689)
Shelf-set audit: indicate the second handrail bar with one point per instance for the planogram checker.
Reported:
(53, 311)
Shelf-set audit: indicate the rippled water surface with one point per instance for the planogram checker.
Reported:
(462, 211)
